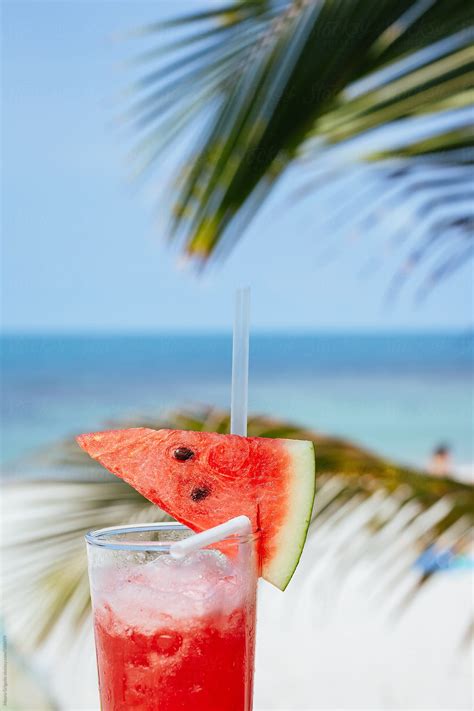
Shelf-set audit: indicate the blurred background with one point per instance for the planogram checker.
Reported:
(155, 157)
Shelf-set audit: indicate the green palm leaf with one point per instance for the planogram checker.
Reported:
(391, 515)
(272, 83)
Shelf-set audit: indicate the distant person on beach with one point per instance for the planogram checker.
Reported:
(440, 463)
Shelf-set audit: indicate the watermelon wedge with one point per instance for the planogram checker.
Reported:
(203, 479)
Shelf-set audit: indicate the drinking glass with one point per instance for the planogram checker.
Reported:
(173, 634)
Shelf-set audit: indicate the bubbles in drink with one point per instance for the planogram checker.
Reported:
(168, 642)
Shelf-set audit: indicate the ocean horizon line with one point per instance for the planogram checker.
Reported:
(221, 332)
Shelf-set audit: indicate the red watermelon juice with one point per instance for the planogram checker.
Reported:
(172, 634)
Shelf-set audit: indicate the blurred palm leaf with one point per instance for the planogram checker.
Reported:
(421, 192)
(391, 514)
(270, 82)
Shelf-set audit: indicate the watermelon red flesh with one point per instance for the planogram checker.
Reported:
(272, 481)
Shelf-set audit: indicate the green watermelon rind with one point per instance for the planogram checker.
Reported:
(292, 537)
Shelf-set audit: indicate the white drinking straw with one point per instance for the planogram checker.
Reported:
(240, 363)
(235, 526)
(238, 425)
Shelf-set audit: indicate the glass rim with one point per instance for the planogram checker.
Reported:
(100, 537)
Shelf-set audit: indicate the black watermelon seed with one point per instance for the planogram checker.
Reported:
(182, 454)
(200, 493)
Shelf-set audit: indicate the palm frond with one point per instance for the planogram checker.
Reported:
(422, 192)
(390, 513)
(271, 82)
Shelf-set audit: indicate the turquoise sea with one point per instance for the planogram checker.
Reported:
(397, 394)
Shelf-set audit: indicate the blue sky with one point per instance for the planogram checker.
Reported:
(81, 250)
